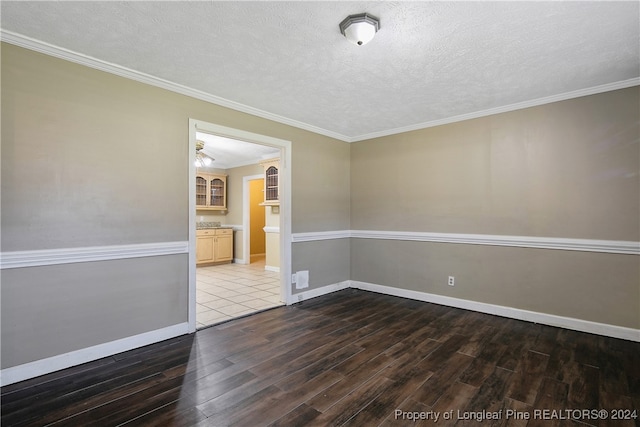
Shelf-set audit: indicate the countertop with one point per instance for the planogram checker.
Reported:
(210, 225)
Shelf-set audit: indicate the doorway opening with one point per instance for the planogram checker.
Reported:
(255, 221)
(255, 276)
(257, 240)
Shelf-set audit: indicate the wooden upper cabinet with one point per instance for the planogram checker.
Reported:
(217, 189)
(271, 182)
(201, 191)
(211, 191)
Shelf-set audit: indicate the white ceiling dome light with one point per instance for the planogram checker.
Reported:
(359, 29)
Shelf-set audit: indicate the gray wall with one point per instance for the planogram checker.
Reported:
(598, 287)
(51, 310)
(325, 260)
(566, 170)
(93, 159)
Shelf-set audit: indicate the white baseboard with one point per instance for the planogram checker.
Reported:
(313, 293)
(238, 261)
(513, 313)
(272, 268)
(62, 361)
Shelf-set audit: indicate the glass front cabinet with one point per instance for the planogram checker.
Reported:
(271, 182)
(211, 191)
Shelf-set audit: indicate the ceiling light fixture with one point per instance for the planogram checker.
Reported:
(202, 160)
(359, 29)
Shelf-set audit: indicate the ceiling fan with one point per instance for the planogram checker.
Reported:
(202, 160)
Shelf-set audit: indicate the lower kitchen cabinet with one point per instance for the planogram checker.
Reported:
(214, 246)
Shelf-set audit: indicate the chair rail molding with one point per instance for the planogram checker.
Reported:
(40, 257)
(557, 243)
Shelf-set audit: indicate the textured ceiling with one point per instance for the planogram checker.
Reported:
(430, 61)
(230, 153)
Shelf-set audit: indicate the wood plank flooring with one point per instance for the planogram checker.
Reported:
(351, 358)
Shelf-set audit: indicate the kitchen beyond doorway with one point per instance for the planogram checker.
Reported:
(283, 237)
(225, 292)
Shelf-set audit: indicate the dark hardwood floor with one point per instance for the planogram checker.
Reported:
(350, 358)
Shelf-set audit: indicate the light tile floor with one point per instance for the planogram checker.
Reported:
(227, 291)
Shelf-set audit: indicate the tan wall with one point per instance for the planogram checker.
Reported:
(322, 192)
(92, 159)
(568, 169)
(235, 181)
(272, 259)
(272, 239)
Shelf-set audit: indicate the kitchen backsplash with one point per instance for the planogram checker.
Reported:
(207, 224)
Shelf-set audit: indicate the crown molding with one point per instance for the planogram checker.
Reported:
(98, 64)
(89, 61)
(623, 84)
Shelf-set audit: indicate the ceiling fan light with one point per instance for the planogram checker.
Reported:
(202, 160)
(360, 29)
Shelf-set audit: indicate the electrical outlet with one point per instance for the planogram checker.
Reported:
(294, 278)
(452, 281)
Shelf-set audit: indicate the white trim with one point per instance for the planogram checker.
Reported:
(321, 235)
(238, 261)
(313, 293)
(191, 268)
(35, 258)
(88, 61)
(73, 358)
(271, 268)
(513, 313)
(623, 84)
(584, 245)
(271, 229)
(558, 243)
